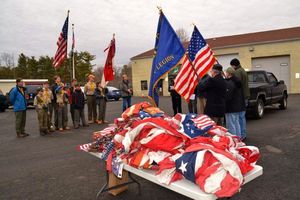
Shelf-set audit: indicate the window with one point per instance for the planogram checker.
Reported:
(256, 77)
(144, 85)
(272, 78)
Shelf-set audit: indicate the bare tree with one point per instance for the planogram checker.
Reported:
(7, 59)
(182, 34)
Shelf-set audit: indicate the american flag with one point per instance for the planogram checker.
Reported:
(62, 43)
(203, 121)
(200, 54)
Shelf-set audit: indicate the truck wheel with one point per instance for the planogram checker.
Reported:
(259, 109)
(283, 103)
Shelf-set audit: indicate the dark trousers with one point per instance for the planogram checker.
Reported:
(62, 116)
(20, 121)
(92, 109)
(126, 102)
(101, 109)
(192, 105)
(54, 109)
(79, 114)
(176, 103)
(219, 120)
(72, 112)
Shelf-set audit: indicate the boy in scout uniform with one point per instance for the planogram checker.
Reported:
(41, 107)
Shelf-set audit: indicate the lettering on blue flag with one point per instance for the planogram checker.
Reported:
(168, 52)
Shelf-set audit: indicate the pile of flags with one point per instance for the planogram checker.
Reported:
(184, 146)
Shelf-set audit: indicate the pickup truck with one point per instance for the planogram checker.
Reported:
(265, 90)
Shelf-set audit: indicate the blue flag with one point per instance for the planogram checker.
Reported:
(168, 51)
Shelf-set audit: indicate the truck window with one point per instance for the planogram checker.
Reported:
(256, 78)
(271, 77)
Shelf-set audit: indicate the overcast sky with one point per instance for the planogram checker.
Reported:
(33, 26)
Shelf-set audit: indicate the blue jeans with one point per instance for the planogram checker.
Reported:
(242, 120)
(233, 123)
(126, 102)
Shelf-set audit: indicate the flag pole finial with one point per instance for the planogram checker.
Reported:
(193, 24)
(159, 8)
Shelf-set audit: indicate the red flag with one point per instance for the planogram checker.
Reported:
(108, 68)
(62, 43)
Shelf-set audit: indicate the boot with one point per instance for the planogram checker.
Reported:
(42, 132)
(19, 135)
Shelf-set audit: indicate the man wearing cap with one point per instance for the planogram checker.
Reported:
(241, 74)
(17, 99)
(234, 102)
(215, 88)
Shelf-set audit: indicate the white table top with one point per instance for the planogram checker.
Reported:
(184, 186)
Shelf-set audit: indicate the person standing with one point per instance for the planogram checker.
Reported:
(53, 109)
(62, 111)
(70, 94)
(176, 98)
(18, 100)
(41, 107)
(101, 102)
(241, 74)
(126, 89)
(78, 102)
(202, 95)
(192, 105)
(89, 90)
(234, 102)
(48, 95)
(215, 89)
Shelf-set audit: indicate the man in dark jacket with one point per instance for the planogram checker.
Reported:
(70, 92)
(176, 98)
(17, 99)
(215, 89)
(78, 104)
(241, 74)
(126, 89)
(234, 102)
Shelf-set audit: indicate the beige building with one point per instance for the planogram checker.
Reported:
(276, 51)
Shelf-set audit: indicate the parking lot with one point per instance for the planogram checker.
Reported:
(50, 167)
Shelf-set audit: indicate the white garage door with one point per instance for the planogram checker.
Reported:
(224, 60)
(279, 66)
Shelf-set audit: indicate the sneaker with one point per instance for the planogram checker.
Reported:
(99, 121)
(67, 128)
(90, 122)
(61, 129)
